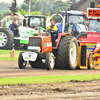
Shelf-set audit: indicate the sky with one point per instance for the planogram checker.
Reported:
(9, 1)
(18, 1)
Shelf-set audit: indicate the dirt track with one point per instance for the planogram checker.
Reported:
(10, 69)
(59, 91)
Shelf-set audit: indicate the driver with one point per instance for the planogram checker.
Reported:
(53, 31)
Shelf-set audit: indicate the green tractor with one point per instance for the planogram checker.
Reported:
(28, 26)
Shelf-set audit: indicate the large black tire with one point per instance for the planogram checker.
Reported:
(21, 62)
(50, 61)
(90, 61)
(17, 44)
(65, 52)
(24, 47)
(37, 64)
(9, 38)
(82, 34)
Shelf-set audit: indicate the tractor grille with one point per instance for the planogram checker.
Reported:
(35, 42)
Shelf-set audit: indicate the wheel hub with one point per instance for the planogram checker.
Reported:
(3, 39)
(24, 63)
(73, 53)
(91, 62)
(51, 62)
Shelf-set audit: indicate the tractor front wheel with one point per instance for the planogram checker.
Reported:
(50, 61)
(81, 35)
(37, 64)
(21, 62)
(90, 61)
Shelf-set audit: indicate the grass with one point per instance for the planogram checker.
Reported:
(6, 55)
(8, 58)
(17, 52)
(46, 79)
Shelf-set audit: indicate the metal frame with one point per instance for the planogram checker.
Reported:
(62, 18)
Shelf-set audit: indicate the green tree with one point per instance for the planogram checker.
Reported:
(57, 5)
(35, 5)
(4, 7)
(5, 13)
(45, 6)
(23, 12)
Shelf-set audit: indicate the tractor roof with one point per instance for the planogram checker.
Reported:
(36, 15)
(73, 12)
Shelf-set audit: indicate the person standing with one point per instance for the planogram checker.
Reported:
(14, 28)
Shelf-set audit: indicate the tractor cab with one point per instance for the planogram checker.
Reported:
(93, 32)
(7, 20)
(30, 26)
(70, 19)
(36, 21)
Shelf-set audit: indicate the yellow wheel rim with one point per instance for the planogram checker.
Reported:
(91, 62)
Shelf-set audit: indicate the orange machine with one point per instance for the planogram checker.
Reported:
(40, 52)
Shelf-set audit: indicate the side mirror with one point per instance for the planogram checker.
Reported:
(24, 22)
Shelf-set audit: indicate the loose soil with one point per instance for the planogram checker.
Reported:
(59, 91)
(74, 90)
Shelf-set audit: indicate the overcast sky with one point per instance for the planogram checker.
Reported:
(9, 1)
(18, 1)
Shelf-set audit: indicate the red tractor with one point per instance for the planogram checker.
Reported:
(40, 52)
(91, 41)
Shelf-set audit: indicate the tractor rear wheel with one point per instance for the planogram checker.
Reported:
(6, 38)
(21, 62)
(90, 61)
(67, 54)
(50, 61)
(81, 35)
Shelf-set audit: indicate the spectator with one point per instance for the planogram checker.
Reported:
(14, 28)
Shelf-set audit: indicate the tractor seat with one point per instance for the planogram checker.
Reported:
(59, 25)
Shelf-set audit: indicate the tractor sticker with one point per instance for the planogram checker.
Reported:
(46, 49)
(29, 56)
(90, 47)
(49, 44)
(98, 45)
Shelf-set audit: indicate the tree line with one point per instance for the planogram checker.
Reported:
(45, 6)
(38, 7)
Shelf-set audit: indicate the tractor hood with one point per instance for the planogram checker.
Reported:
(79, 28)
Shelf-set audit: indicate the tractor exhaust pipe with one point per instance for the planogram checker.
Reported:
(38, 31)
